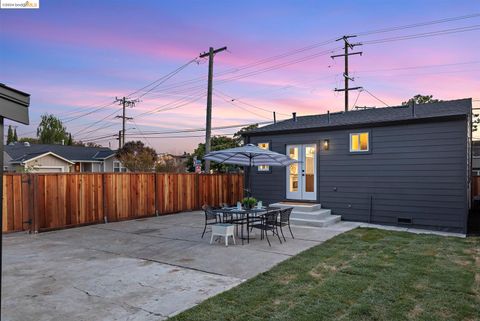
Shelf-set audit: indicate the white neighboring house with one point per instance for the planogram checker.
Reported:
(48, 162)
(43, 158)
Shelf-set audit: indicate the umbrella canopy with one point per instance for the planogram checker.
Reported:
(249, 155)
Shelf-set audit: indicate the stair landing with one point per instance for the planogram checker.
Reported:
(309, 214)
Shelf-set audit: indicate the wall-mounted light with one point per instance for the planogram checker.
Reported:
(326, 144)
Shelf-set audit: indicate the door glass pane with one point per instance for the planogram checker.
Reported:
(293, 173)
(309, 169)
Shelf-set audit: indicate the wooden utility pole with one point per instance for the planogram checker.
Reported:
(345, 74)
(124, 102)
(208, 129)
(119, 139)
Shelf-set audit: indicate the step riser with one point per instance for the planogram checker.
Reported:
(299, 208)
(311, 216)
(321, 223)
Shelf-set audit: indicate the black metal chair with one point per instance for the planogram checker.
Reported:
(226, 216)
(211, 218)
(284, 220)
(268, 223)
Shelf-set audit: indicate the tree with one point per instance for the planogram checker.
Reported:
(421, 99)
(238, 135)
(30, 140)
(10, 135)
(170, 165)
(51, 130)
(217, 143)
(137, 157)
(15, 136)
(70, 140)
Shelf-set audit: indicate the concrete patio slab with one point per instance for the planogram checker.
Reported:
(145, 269)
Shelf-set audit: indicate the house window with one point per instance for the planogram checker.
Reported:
(264, 168)
(359, 142)
(118, 167)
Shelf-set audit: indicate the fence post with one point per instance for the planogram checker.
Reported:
(34, 194)
(156, 193)
(197, 190)
(104, 198)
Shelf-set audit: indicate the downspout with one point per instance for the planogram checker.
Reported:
(468, 187)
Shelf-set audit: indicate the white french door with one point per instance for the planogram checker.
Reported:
(302, 176)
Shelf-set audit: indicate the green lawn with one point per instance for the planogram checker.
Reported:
(365, 274)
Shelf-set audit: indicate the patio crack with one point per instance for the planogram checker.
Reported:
(161, 262)
(127, 307)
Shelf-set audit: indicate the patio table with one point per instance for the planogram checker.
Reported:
(248, 214)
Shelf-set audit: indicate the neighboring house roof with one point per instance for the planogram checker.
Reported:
(104, 154)
(33, 156)
(71, 153)
(370, 116)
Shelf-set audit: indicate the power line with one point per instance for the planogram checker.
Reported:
(248, 104)
(419, 24)
(141, 133)
(163, 79)
(93, 124)
(358, 95)
(310, 47)
(167, 106)
(424, 34)
(430, 73)
(260, 71)
(190, 130)
(253, 64)
(242, 108)
(375, 97)
(186, 136)
(420, 67)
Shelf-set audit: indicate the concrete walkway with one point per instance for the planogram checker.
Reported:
(145, 269)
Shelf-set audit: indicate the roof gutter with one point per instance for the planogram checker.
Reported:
(347, 126)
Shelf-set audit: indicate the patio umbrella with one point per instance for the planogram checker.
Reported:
(250, 155)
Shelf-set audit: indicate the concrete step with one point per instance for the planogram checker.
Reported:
(298, 207)
(327, 221)
(314, 215)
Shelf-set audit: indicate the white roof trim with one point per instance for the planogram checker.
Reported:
(43, 155)
(87, 161)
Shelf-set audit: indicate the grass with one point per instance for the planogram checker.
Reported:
(365, 274)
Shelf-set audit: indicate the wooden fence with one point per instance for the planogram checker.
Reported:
(39, 202)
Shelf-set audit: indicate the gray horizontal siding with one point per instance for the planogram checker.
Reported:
(413, 171)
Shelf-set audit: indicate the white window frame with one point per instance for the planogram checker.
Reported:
(121, 168)
(359, 150)
(263, 168)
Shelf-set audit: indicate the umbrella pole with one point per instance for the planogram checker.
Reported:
(250, 178)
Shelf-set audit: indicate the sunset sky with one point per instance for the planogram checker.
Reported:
(75, 57)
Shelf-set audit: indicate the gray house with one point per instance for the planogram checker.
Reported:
(45, 158)
(406, 165)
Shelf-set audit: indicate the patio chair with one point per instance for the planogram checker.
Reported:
(223, 230)
(285, 221)
(210, 217)
(226, 217)
(268, 223)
